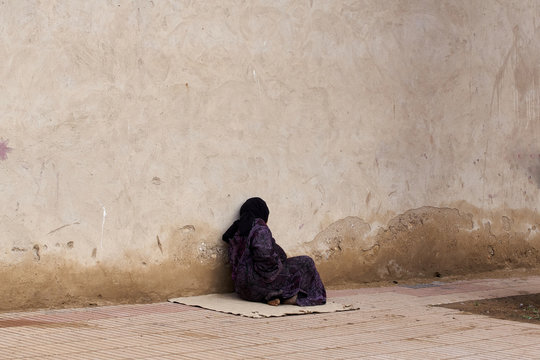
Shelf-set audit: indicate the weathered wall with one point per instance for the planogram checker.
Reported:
(389, 138)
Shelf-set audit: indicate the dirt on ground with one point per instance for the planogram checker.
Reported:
(525, 308)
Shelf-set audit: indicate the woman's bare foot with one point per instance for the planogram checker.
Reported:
(273, 302)
(290, 301)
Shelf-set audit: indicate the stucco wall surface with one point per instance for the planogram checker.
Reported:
(389, 139)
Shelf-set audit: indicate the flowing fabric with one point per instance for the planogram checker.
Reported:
(261, 270)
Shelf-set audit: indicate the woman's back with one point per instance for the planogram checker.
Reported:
(261, 270)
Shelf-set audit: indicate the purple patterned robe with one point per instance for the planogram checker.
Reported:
(261, 270)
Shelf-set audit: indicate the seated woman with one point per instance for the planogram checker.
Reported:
(261, 271)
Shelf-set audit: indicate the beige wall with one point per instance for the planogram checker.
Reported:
(389, 138)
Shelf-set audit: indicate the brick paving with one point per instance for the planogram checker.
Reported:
(392, 323)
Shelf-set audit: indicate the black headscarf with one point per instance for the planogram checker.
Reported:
(253, 208)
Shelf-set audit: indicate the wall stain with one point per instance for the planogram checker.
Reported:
(422, 242)
(63, 226)
(159, 244)
(417, 243)
(4, 149)
(33, 285)
(528, 162)
(35, 250)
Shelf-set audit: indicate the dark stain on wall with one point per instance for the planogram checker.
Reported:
(4, 149)
(427, 242)
(422, 242)
(534, 171)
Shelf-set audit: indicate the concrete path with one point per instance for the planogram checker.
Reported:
(393, 323)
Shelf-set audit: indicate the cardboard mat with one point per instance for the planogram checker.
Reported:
(230, 303)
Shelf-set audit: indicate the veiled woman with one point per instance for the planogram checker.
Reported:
(261, 271)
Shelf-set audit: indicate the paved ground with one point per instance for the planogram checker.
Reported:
(393, 323)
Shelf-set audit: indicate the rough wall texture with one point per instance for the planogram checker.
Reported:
(389, 138)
